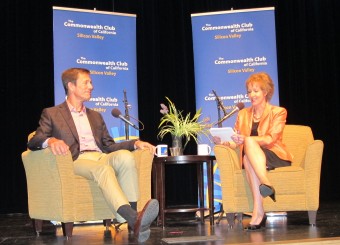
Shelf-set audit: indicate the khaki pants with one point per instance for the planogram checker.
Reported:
(115, 173)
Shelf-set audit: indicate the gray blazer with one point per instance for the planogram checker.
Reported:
(57, 122)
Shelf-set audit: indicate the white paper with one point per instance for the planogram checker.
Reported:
(224, 133)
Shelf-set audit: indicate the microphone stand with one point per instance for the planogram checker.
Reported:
(219, 115)
(219, 108)
(219, 105)
(127, 116)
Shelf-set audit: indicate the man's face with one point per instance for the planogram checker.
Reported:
(83, 88)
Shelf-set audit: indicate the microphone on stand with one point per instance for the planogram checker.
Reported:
(219, 102)
(116, 113)
(238, 107)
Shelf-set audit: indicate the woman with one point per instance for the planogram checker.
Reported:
(259, 131)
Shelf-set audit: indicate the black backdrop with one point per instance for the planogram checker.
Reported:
(307, 48)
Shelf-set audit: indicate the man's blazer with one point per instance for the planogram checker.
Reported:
(57, 122)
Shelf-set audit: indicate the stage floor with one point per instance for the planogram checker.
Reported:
(290, 229)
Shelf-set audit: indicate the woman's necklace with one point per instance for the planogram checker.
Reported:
(258, 112)
(257, 117)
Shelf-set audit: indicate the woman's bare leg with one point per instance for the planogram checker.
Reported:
(255, 166)
(257, 159)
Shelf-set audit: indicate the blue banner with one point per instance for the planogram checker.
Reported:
(229, 46)
(105, 44)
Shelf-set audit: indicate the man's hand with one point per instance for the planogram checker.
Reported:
(58, 147)
(142, 145)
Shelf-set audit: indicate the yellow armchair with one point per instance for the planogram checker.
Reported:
(56, 193)
(297, 186)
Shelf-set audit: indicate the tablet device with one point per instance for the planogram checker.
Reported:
(224, 133)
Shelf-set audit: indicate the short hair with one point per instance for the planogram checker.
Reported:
(71, 75)
(265, 82)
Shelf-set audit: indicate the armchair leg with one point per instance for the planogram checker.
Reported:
(239, 217)
(107, 224)
(220, 216)
(312, 217)
(231, 219)
(37, 226)
(67, 229)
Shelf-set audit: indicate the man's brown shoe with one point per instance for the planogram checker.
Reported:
(144, 220)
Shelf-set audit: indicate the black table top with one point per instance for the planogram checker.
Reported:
(184, 159)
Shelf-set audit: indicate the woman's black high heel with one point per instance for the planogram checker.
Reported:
(262, 224)
(267, 190)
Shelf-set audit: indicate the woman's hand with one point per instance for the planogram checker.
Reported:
(216, 140)
(238, 139)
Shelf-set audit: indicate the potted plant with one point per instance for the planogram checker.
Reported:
(181, 126)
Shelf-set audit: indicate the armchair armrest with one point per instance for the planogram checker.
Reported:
(49, 177)
(228, 161)
(312, 165)
(143, 160)
(313, 157)
(228, 156)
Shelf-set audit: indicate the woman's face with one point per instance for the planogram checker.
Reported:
(256, 95)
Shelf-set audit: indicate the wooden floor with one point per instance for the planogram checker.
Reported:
(292, 228)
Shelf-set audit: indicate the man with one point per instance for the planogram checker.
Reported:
(72, 126)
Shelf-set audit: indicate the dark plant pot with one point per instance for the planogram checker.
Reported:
(177, 142)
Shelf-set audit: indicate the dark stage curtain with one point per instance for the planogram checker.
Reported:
(307, 48)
